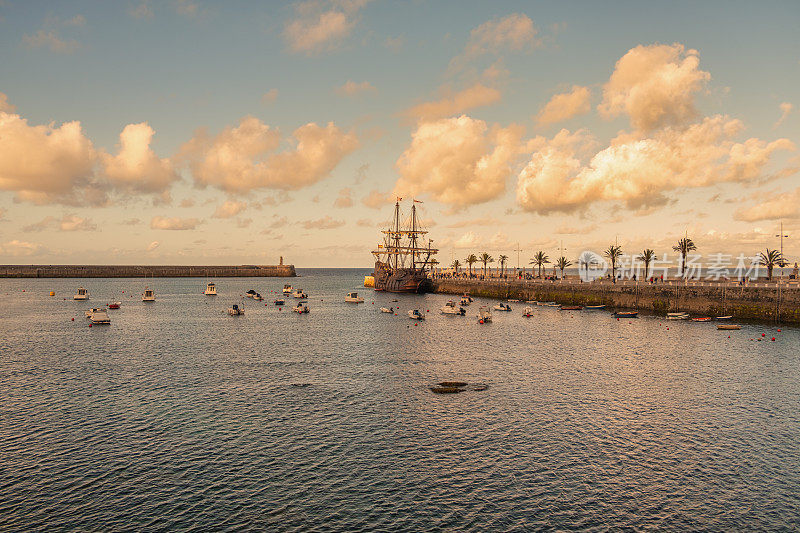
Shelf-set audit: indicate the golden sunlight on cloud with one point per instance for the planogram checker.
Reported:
(173, 223)
(780, 205)
(565, 105)
(18, 248)
(352, 88)
(66, 223)
(476, 96)
(785, 107)
(654, 86)
(321, 25)
(377, 199)
(229, 209)
(136, 167)
(240, 159)
(5, 106)
(637, 169)
(50, 40)
(514, 32)
(458, 161)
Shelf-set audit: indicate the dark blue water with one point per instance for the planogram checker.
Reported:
(180, 417)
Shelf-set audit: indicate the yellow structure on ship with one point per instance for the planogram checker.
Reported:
(369, 281)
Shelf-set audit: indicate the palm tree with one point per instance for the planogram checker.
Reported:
(563, 263)
(684, 246)
(540, 259)
(646, 257)
(771, 259)
(613, 253)
(586, 260)
(502, 259)
(471, 259)
(456, 264)
(486, 258)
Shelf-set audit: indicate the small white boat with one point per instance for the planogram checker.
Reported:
(251, 293)
(528, 311)
(389, 310)
(89, 312)
(510, 300)
(298, 293)
(114, 305)
(353, 298)
(484, 314)
(466, 299)
(235, 310)
(257, 297)
(287, 289)
(416, 314)
(82, 294)
(100, 316)
(677, 316)
(450, 308)
(148, 295)
(594, 307)
(502, 307)
(725, 317)
(211, 290)
(301, 308)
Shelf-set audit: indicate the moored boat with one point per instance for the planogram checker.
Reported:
(235, 310)
(287, 289)
(677, 316)
(251, 293)
(279, 301)
(571, 307)
(528, 311)
(626, 314)
(100, 316)
(353, 298)
(298, 293)
(301, 308)
(484, 314)
(502, 307)
(594, 307)
(82, 294)
(416, 314)
(450, 308)
(729, 326)
(702, 319)
(257, 297)
(211, 289)
(149, 295)
(389, 310)
(726, 317)
(114, 305)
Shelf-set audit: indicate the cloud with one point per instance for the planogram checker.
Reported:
(5, 106)
(775, 207)
(467, 241)
(638, 169)
(187, 202)
(365, 223)
(131, 222)
(325, 222)
(152, 246)
(345, 198)
(77, 20)
(485, 221)
(136, 168)
(351, 88)
(476, 96)
(458, 161)
(66, 223)
(785, 107)
(242, 158)
(654, 86)
(321, 25)
(394, 43)
(17, 248)
(243, 222)
(173, 223)
(49, 163)
(376, 199)
(514, 33)
(229, 209)
(565, 229)
(50, 40)
(187, 8)
(141, 11)
(279, 222)
(565, 105)
(269, 97)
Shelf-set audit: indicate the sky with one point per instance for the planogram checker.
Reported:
(198, 132)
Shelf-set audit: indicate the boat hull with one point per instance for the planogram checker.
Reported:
(400, 280)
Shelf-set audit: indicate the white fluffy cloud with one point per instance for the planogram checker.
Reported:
(458, 161)
(243, 158)
(654, 86)
(638, 169)
(777, 206)
(229, 208)
(136, 168)
(566, 105)
(351, 88)
(173, 223)
(321, 25)
(477, 95)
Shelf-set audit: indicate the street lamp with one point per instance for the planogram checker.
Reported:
(781, 235)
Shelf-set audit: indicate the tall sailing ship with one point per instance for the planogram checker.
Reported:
(403, 259)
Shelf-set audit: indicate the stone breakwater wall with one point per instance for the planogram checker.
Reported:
(750, 303)
(144, 271)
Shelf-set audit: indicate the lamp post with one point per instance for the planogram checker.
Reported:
(781, 235)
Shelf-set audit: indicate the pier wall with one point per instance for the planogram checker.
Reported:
(144, 271)
(753, 303)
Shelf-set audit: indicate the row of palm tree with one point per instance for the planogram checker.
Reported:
(769, 259)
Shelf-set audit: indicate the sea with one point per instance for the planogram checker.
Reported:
(179, 417)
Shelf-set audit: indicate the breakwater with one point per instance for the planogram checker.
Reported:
(764, 303)
(144, 271)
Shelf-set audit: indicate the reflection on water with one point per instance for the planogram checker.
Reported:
(179, 416)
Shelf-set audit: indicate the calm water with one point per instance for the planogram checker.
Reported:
(179, 417)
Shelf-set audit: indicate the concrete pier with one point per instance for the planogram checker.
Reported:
(144, 271)
(762, 302)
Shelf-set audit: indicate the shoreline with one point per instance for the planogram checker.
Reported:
(763, 304)
(146, 271)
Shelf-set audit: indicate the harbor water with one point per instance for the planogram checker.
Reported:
(177, 416)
